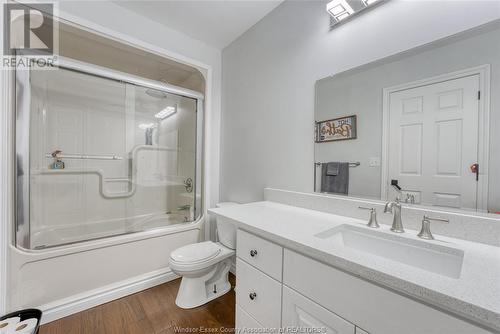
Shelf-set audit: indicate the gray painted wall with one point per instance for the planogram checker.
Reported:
(269, 75)
(360, 92)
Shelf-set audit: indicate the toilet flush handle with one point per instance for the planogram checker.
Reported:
(252, 295)
(253, 253)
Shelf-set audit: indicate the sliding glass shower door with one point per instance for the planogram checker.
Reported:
(99, 156)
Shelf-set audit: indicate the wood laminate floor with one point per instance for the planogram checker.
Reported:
(150, 311)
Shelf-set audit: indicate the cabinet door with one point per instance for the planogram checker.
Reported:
(298, 311)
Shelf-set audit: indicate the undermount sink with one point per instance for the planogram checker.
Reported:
(438, 259)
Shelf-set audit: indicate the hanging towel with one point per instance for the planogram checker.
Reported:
(335, 178)
(332, 168)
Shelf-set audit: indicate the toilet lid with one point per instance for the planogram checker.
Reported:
(195, 253)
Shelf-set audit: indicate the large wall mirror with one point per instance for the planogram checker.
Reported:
(423, 125)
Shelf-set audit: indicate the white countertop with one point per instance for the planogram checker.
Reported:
(475, 295)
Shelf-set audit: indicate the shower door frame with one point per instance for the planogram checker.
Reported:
(22, 109)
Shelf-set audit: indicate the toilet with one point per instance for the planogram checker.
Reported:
(204, 266)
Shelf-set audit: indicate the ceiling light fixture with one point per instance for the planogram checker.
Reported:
(339, 9)
(167, 112)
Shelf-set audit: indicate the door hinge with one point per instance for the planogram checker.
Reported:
(479, 95)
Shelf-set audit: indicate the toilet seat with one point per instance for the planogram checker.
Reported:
(198, 256)
(196, 253)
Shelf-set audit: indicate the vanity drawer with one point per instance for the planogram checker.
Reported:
(260, 253)
(302, 313)
(365, 304)
(245, 320)
(258, 294)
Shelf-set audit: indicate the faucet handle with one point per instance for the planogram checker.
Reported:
(425, 231)
(373, 217)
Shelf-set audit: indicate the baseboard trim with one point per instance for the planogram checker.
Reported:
(80, 302)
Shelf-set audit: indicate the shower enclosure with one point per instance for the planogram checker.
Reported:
(102, 153)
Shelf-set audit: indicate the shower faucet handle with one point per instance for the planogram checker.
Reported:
(372, 222)
(56, 153)
(188, 184)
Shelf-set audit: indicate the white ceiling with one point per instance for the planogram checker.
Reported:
(214, 22)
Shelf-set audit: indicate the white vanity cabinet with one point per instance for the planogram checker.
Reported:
(277, 287)
(369, 306)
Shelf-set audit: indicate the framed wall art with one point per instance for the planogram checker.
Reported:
(342, 128)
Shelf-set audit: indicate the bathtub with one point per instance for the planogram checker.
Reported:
(67, 279)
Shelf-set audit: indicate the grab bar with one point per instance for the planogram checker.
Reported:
(85, 157)
(100, 174)
(102, 189)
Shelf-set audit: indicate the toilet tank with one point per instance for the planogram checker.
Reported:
(226, 230)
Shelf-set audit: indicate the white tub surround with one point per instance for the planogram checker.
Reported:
(94, 272)
(474, 295)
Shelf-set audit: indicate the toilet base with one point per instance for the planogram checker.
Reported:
(197, 291)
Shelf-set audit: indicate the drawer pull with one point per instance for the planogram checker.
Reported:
(253, 253)
(252, 295)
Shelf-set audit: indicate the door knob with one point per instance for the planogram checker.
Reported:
(474, 168)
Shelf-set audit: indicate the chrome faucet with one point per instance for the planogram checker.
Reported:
(394, 207)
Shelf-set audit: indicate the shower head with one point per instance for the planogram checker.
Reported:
(156, 93)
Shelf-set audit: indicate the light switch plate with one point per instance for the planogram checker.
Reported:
(374, 162)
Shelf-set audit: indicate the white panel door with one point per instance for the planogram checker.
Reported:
(433, 132)
(303, 314)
